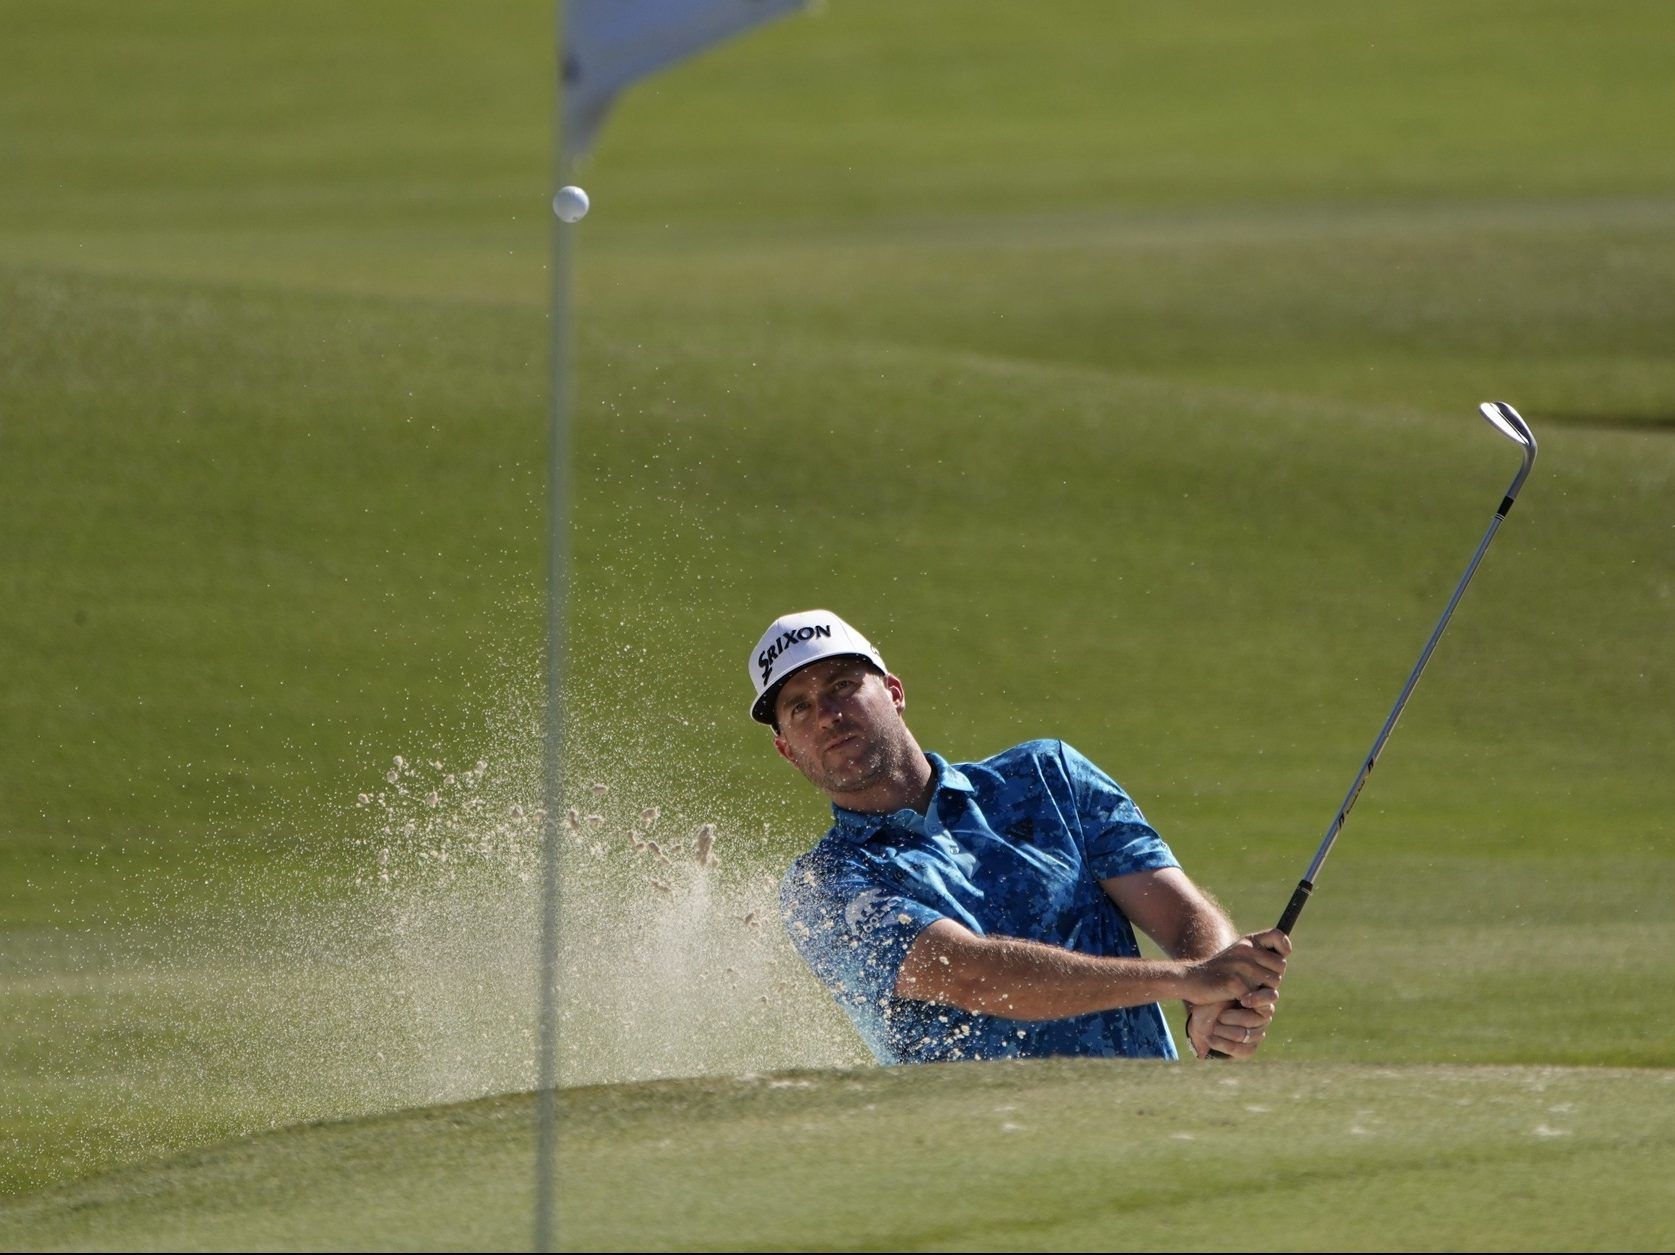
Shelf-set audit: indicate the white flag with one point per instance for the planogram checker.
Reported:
(608, 44)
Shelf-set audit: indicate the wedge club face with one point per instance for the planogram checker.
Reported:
(1506, 420)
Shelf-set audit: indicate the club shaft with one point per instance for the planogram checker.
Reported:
(1306, 885)
(1511, 425)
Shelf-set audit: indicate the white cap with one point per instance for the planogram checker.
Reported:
(793, 641)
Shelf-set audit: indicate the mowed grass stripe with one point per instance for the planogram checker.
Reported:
(1072, 1154)
(1412, 307)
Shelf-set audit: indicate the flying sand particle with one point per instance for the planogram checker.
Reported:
(662, 886)
(703, 849)
(599, 790)
(432, 799)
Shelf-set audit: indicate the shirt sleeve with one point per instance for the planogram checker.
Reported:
(1118, 839)
(853, 931)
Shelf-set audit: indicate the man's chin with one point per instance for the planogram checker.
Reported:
(855, 779)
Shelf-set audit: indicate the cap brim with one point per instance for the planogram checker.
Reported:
(762, 709)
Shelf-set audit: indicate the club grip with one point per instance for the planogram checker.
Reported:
(1294, 908)
(1288, 921)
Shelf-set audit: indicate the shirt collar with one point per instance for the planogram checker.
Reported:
(861, 826)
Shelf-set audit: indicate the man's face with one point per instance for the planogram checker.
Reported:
(840, 724)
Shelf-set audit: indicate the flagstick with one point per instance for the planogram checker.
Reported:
(558, 539)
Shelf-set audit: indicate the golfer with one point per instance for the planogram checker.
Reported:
(987, 910)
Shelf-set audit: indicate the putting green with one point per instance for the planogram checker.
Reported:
(1066, 1154)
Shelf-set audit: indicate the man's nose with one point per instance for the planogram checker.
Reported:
(831, 709)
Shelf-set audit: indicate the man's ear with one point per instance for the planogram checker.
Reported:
(897, 693)
(784, 749)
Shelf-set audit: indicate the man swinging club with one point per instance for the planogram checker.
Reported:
(987, 910)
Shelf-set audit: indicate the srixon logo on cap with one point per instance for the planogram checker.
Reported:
(765, 659)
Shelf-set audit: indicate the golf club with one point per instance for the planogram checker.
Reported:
(1505, 420)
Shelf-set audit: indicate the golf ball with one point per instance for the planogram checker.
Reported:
(570, 204)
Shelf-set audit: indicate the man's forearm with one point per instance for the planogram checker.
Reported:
(1174, 912)
(1204, 930)
(1025, 980)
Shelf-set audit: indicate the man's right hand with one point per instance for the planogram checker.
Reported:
(1250, 963)
(1232, 1030)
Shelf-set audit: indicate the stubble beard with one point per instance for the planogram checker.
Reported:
(882, 755)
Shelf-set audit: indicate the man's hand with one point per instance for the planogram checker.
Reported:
(1236, 1029)
(1249, 964)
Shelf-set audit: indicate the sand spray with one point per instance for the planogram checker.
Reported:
(389, 960)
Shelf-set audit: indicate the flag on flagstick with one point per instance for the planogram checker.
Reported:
(609, 44)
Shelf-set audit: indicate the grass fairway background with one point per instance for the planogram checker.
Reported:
(1116, 371)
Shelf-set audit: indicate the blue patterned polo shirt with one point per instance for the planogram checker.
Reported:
(1013, 846)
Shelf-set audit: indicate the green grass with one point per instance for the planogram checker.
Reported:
(1063, 1154)
(1115, 372)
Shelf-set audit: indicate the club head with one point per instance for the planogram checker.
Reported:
(1507, 421)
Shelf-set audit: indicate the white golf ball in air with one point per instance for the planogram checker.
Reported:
(570, 204)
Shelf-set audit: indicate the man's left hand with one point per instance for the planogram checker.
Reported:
(1234, 1028)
